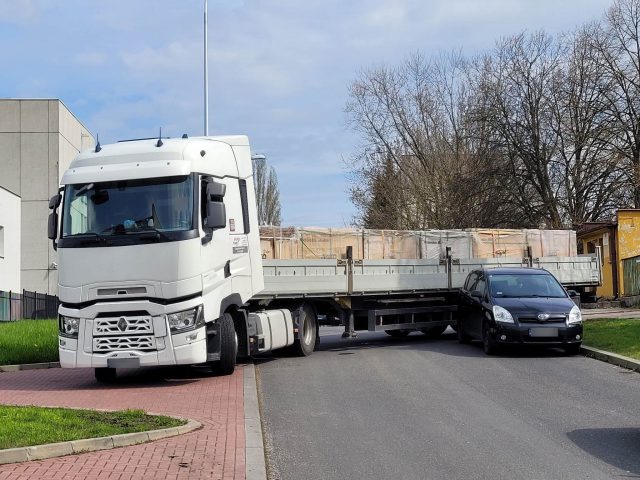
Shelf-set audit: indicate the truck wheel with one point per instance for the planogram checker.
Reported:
(305, 344)
(228, 347)
(105, 375)
(398, 333)
(433, 332)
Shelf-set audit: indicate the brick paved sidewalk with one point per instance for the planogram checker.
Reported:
(217, 451)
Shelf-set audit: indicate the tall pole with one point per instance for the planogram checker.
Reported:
(206, 72)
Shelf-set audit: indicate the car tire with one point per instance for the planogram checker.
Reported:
(488, 344)
(434, 332)
(398, 333)
(105, 375)
(305, 344)
(463, 337)
(572, 348)
(228, 347)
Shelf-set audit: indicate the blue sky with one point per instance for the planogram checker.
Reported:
(279, 70)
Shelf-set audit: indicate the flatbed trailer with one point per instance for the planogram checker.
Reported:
(398, 294)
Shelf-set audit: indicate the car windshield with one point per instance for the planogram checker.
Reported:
(128, 206)
(525, 286)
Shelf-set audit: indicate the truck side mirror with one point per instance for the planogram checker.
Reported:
(216, 212)
(477, 294)
(52, 224)
(54, 202)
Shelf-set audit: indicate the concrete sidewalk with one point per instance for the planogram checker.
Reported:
(217, 451)
(610, 313)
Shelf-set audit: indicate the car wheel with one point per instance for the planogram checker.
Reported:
(488, 344)
(462, 336)
(572, 349)
(397, 333)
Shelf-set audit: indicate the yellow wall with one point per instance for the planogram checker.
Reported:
(628, 239)
(606, 289)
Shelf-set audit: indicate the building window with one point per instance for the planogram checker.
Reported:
(1, 241)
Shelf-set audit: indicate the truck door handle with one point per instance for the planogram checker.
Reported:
(227, 269)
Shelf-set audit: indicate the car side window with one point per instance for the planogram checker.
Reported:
(481, 285)
(471, 280)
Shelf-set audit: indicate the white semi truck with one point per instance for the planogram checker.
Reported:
(159, 263)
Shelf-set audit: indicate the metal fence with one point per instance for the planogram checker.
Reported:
(27, 305)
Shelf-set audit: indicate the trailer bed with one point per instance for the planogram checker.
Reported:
(341, 278)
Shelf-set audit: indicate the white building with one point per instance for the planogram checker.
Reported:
(9, 241)
(38, 140)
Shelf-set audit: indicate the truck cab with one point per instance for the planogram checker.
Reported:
(158, 249)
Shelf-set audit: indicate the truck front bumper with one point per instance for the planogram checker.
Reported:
(145, 339)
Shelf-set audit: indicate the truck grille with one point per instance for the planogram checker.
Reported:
(109, 344)
(122, 325)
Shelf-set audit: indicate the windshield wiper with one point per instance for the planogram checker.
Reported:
(90, 237)
(153, 233)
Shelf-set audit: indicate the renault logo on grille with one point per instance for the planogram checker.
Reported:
(543, 316)
(122, 324)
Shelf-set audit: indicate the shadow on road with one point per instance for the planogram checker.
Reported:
(446, 345)
(619, 447)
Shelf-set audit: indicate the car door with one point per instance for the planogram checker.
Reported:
(477, 306)
(464, 307)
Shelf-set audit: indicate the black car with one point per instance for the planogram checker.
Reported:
(515, 306)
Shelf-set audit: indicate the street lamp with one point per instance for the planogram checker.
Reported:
(206, 71)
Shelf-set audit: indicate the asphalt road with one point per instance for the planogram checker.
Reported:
(378, 408)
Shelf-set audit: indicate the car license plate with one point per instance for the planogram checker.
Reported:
(543, 332)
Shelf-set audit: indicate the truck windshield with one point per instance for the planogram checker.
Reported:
(124, 207)
(525, 286)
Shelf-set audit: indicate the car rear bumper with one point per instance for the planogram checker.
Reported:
(537, 334)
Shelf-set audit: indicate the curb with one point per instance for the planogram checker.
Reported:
(51, 450)
(255, 467)
(612, 358)
(29, 366)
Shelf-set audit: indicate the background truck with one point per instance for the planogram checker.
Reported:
(160, 264)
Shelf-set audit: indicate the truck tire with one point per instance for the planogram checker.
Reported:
(228, 347)
(398, 333)
(305, 344)
(434, 332)
(105, 375)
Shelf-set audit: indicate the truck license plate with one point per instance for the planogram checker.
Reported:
(543, 332)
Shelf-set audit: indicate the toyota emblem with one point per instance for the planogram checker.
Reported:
(543, 316)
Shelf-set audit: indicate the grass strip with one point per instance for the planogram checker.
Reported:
(621, 336)
(23, 426)
(28, 341)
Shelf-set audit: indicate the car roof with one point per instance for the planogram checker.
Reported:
(515, 271)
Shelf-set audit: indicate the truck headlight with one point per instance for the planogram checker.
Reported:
(68, 326)
(186, 320)
(575, 316)
(502, 315)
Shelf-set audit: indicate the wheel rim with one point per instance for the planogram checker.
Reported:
(306, 330)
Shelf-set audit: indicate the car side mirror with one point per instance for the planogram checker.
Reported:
(573, 293)
(477, 294)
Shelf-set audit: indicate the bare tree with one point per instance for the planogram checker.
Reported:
(617, 43)
(267, 192)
